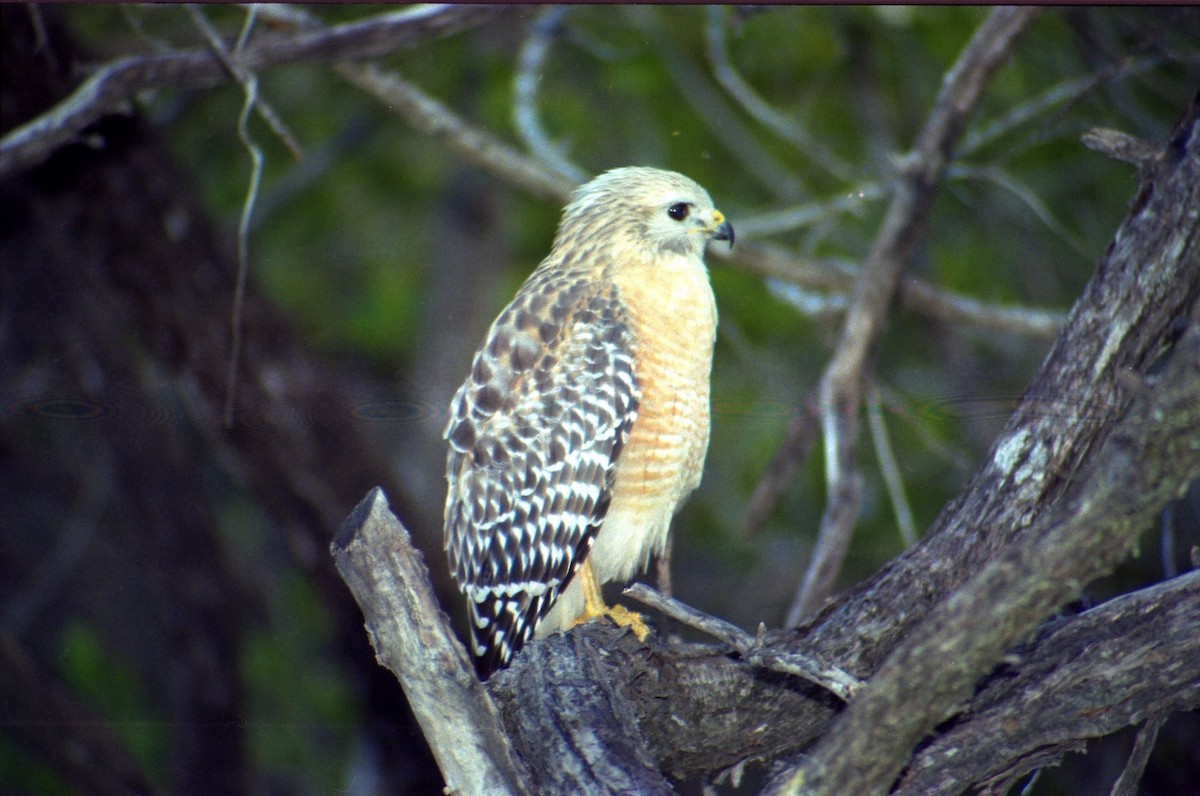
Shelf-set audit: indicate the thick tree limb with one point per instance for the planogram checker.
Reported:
(1149, 458)
(1081, 677)
(412, 639)
(701, 712)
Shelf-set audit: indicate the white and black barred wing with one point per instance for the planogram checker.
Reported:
(535, 432)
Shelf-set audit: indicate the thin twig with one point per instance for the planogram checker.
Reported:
(916, 294)
(1064, 93)
(787, 219)
(841, 388)
(525, 95)
(753, 650)
(1121, 146)
(890, 469)
(249, 84)
(1127, 783)
(711, 107)
(113, 87)
(795, 450)
(1029, 197)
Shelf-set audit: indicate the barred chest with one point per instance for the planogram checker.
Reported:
(674, 317)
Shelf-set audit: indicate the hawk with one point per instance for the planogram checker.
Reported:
(584, 422)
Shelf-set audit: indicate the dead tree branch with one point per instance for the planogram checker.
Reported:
(412, 639)
(1147, 460)
(1081, 677)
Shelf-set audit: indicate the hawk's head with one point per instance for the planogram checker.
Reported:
(659, 212)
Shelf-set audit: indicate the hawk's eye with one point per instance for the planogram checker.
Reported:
(678, 211)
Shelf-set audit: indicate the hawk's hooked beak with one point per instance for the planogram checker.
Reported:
(721, 229)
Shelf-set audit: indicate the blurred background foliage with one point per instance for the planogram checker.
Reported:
(354, 243)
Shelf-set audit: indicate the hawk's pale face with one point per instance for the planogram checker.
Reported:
(655, 212)
(677, 216)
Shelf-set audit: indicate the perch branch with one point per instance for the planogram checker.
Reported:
(412, 638)
(753, 650)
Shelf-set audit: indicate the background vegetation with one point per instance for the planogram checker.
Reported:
(387, 253)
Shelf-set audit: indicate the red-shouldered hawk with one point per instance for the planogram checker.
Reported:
(584, 422)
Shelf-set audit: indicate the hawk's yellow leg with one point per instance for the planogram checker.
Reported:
(594, 606)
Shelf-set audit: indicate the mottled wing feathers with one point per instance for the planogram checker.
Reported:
(534, 435)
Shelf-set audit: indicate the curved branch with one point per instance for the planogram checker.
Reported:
(525, 88)
(841, 387)
(750, 100)
(113, 87)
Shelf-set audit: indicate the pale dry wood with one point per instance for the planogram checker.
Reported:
(412, 639)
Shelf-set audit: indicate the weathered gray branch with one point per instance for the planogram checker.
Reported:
(1147, 460)
(412, 638)
(1081, 677)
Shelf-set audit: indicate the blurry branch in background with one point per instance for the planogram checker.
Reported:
(916, 295)
(473, 144)
(113, 87)
(1028, 197)
(300, 36)
(711, 107)
(890, 468)
(1061, 94)
(434, 119)
(787, 128)
(841, 389)
(787, 219)
(526, 119)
